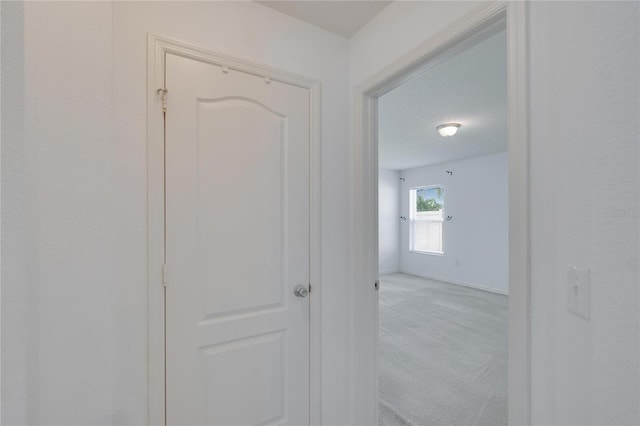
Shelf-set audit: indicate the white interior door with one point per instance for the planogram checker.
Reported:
(237, 244)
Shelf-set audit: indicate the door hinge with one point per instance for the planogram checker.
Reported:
(164, 275)
(163, 93)
(376, 285)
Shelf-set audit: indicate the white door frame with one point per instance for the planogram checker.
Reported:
(364, 210)
(158, 48)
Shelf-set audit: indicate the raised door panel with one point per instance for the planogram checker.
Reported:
(242, 145)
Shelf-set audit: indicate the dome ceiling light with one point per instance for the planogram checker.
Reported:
(448, 129)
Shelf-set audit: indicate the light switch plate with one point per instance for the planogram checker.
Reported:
(578, 283)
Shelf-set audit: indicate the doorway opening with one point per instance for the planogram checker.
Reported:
(443, 240)
(487, 20)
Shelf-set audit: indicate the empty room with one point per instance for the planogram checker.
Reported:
(443, 240)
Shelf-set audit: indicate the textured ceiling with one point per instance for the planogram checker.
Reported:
(469, 88)
(340, 17)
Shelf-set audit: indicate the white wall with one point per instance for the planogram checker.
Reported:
(388, 221)
(476, 239)
(68, 276)
(584, 82)
(15, 229)
(76, 349)
(400, 27)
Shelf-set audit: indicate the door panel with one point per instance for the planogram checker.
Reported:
(237, 243)
(259, 380)
(246, 210)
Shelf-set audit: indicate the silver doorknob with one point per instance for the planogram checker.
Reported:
(300, 291)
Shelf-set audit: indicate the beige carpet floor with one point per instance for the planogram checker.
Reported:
(442, 354)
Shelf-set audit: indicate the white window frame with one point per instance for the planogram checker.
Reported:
(413, 218)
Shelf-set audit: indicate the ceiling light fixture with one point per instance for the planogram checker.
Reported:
(448, 129)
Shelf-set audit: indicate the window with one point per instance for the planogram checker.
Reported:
(426, 218)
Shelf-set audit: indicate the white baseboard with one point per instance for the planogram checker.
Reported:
(390, 271)
(456, 282)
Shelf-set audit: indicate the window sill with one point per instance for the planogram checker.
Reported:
(432, 253)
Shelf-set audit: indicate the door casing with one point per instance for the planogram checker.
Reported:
(364, 207)
(158, 47)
